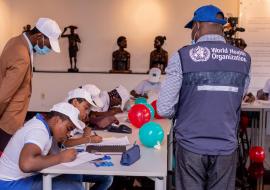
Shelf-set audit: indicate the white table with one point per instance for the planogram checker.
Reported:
(153, 162)
(258, 127)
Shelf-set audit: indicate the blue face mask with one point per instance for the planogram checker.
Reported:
(42, 51)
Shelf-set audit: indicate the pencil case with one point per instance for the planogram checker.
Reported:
(130, 156)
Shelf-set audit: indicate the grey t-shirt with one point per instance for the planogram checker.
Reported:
(145, 87)
(266, 88)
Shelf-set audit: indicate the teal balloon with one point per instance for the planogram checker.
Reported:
(151, 134)
(128, 107)
(152, 111)
(140, 100)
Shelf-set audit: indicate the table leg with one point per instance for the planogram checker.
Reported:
(47, 181)
(253, 131)
(261, 126)
(264, 125)
(160, 183)
(260, 184)
(265, 145)
(170, 150)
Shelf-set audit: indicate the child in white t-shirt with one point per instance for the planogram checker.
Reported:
(146, 88)
(113, 102)
(27, 151)
(84, 101)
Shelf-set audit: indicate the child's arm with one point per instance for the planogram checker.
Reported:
(31, 159)
(84, 139)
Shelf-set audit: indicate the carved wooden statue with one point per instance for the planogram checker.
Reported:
(73, 40)
(159, 56)
(121, 58)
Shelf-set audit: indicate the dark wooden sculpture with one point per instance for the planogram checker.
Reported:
(121, 58)
(159, 56)
(73, 40)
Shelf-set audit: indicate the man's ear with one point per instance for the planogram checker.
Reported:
(194, 24)
(57, 119)
(55, 122)
(198, 25)
(74, 102)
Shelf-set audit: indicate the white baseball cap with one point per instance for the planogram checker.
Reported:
(70, 111)
(94, 91)
(50, 29)
(80, 93)
(154, 75)
(124, 94)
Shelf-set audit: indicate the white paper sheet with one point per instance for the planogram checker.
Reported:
(82, 158)
(113, 141)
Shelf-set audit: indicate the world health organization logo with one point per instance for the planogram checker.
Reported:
(198, 54)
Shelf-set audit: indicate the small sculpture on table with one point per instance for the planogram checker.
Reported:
(73, 40)
(159, 56)
(121, 58)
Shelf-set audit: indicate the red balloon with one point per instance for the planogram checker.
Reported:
(138, 115)
(154, 104)
(244, 122)
(256, 170)
(257, 154)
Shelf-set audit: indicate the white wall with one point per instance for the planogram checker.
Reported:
(100, 22)
(256, 36)
(5, 24)
(50, 88)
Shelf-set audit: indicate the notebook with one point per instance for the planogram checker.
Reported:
(108, 149)
(112, 141)
(111, 145)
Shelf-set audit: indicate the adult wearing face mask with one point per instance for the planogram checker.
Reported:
(203, 91)
(16, 63)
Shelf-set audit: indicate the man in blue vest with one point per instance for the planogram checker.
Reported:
(203, 90)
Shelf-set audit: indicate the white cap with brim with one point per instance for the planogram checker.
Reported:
(154, 75)
(94, 91)
(70, 111)
(50, 28)
(124, 94)
(80, 93)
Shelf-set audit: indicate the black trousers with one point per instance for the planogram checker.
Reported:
(204, 172)
(4, 139)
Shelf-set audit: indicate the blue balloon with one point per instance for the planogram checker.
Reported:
(151, 134)
(152, 111)
(140, 100)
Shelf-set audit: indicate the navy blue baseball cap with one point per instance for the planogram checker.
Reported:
(207, 13)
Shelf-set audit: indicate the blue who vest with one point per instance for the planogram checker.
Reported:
(214, 75)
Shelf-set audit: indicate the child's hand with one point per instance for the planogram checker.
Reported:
(68, 155)
(116, 110)
(95, 139)
(87, 132)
